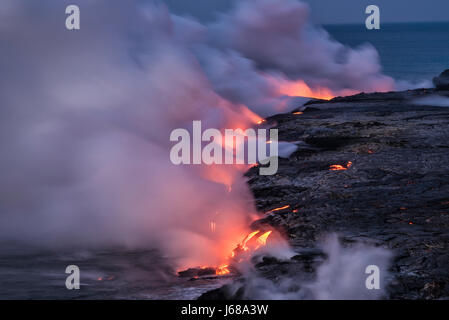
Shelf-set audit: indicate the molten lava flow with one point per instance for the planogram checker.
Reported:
(250, 243)
(262, 240)
(247, 238)
(298, 113)
(278, 209)
(224, 232)
(222, 270)
(338, 167)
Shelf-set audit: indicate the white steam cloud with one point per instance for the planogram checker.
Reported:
(86, 115)
(342, 276)
(438, 101)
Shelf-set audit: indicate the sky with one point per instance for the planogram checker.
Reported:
(334, 11)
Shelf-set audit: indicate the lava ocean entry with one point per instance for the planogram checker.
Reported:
(106, 98)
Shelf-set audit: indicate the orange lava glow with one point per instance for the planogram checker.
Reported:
(298, 113)
(226, 233)
(299, 88)
(222, 270)
(221, 175)
(248, 245)
(105, 278)
(251, 242)
(338, 167)
(262, 240)
(245, 241)
(254, 118)
(278, 209)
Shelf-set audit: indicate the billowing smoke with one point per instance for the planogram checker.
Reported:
(343, 275)
(277, 38)
(86, 116)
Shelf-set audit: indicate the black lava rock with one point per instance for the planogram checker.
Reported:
(442, 81)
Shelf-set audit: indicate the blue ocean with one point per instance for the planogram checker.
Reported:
(408, 51)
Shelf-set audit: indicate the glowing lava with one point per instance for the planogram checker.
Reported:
(338, 167)
(224, 231)
(278, 209)
(262, 240)
(242, 245)
(222, 270)
(250, 243)
(300, 89)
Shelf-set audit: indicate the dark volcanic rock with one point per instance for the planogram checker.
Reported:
(395, 194)
(196, 272)
(442, 81)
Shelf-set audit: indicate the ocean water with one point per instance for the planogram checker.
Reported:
(408, 51)
(112, 273)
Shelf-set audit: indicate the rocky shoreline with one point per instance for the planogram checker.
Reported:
(389, 188)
